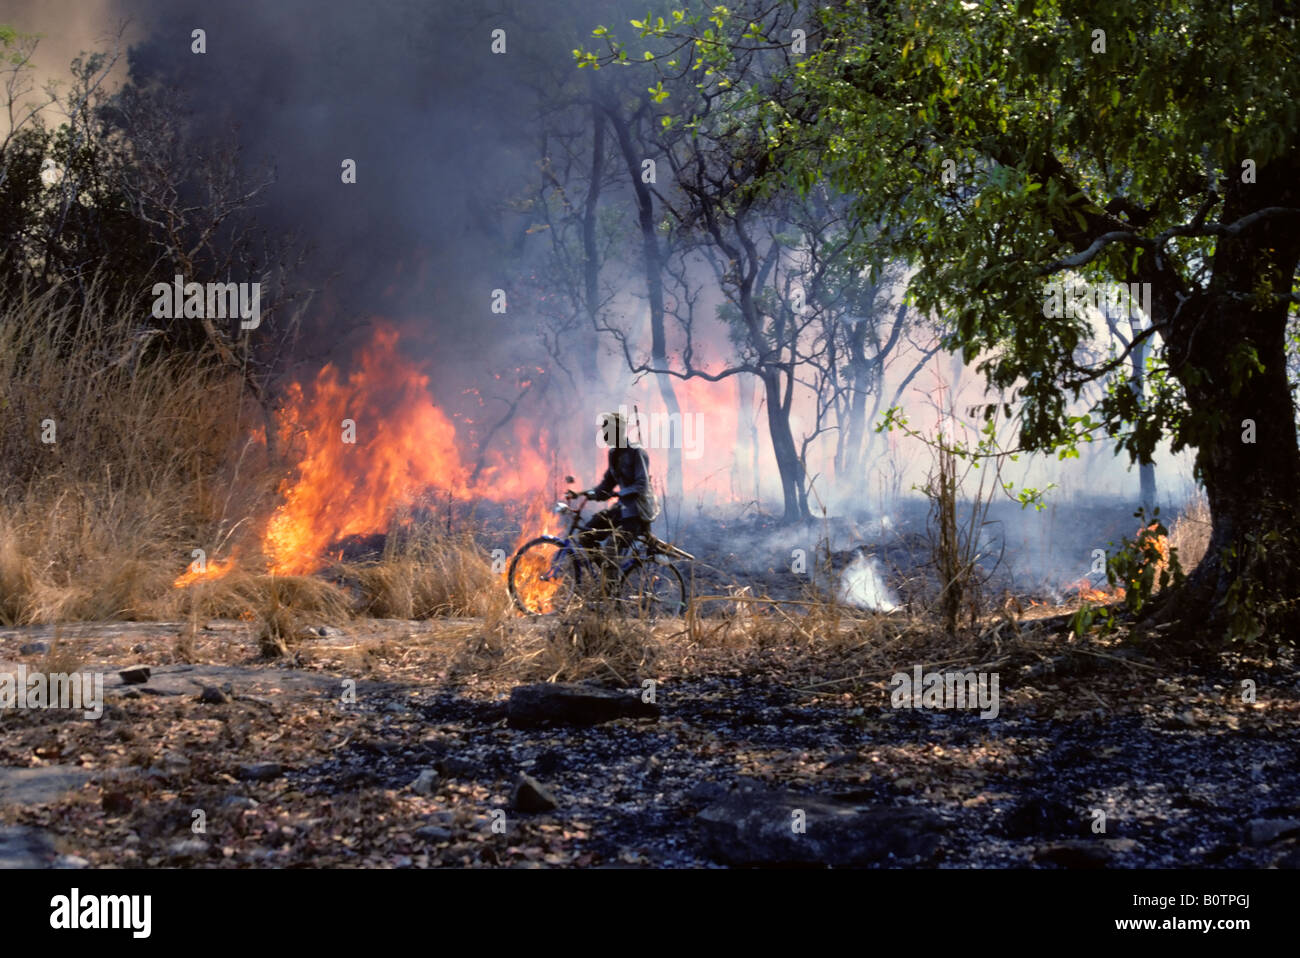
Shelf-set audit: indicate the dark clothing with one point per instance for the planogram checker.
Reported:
(599, 526)
(629, 470)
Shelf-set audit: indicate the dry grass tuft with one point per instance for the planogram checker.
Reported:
(115, 460)
(278, 625)
(591, 645)
(17, 580)
(1190, 533)
(429, 575)
(587, 645)
(61, 657)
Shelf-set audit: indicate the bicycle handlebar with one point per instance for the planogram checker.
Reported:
(570, 495)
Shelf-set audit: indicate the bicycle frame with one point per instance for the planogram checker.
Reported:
(569, 547)
(626, 563)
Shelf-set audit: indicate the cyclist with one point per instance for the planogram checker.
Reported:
(628, 469)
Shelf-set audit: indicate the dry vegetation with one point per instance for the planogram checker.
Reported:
(429, 574)
(98, 522)
(152, 455)
(150, 458)
(1189, 536)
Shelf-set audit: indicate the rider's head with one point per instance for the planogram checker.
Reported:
(613, 429)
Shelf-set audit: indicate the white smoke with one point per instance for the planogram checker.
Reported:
(863, 586)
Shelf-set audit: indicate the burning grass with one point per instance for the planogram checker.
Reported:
(119, 460)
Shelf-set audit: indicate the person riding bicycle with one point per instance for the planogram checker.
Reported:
(628, 469)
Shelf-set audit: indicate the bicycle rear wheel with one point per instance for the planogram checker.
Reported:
(544, 577)
(652, 589)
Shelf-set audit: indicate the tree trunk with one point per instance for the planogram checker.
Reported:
(749, 423)
(590, 338)
(675, 480)
(1147, 478)
(787, 454)
(652, 263)
(1248, 585)
(1137, 382)
(847, 467)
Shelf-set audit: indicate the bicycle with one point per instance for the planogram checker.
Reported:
(556, 574)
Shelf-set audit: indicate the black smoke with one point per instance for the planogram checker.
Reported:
(444, 133)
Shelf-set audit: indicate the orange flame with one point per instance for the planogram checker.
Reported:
(1162, 548)
(535, 592)
(215, 569)
(1084, 592)
(373, 442)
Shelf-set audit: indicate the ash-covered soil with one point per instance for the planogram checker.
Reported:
(1024, 555)
(379, 749)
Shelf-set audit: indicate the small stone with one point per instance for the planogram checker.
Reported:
(432, 833)
(547, 703)
(25, 847)
(752, 826)
(705, 793)
(549, 762)
(33, 648)
(1039, 817)
(71, 861)
(211, 695)
(1084, 853)
(135, 674)
(239, 802)
(116, 803)
(322, 632)
(425, 783)
(261, 772)
(189, 848)
(531, 796)
(1263, 831)
(453, 767)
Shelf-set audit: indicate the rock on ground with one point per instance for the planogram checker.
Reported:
(531, 796)
(766, 828)
(547, 703)
(23, 847)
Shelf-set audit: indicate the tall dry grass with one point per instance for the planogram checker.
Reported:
(425, 572)
(115, 460)
(119, 457)
(1190, 533)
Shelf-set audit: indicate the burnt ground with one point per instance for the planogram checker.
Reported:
(1026, 555)
(284, 771)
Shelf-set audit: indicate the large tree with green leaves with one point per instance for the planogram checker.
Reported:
(1008, 144)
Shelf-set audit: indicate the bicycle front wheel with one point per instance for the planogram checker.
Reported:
(652, 589)
(544, 577)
